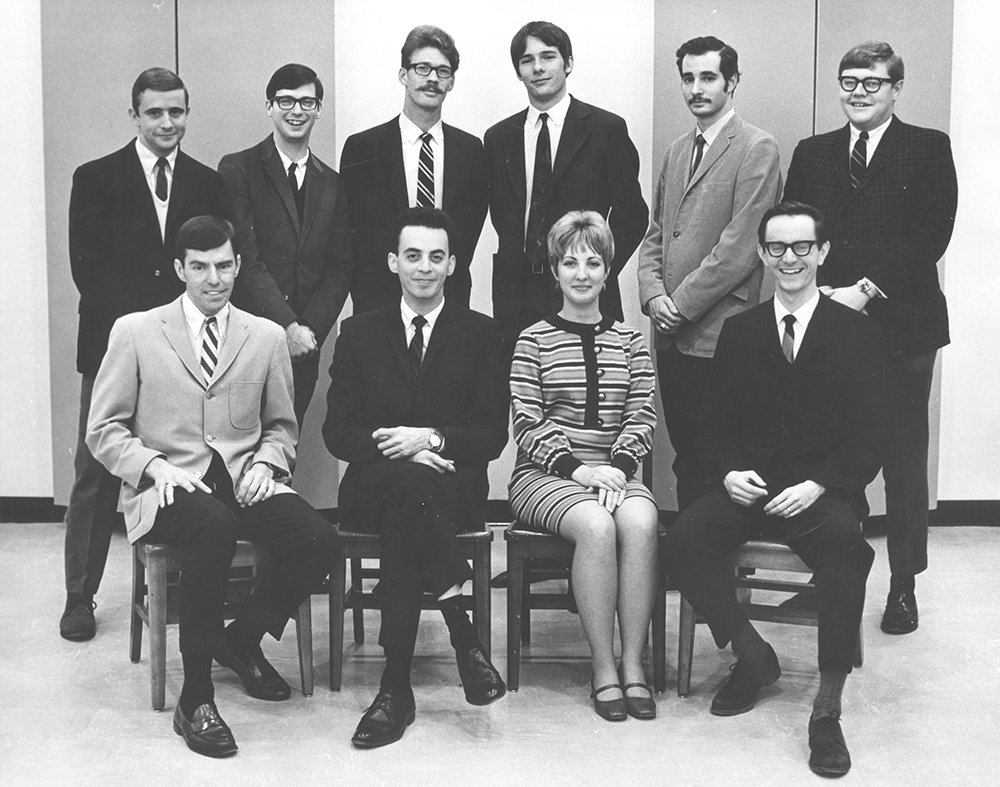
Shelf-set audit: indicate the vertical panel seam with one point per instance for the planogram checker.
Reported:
(177, 39)
(815, 85)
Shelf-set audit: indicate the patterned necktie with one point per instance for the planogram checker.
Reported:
(425, 173)
(209, 349)
(297, 194)
(541, 185)
(417, 344)
(699, 151)
(859, 159)
(788, 338)
(161, 179)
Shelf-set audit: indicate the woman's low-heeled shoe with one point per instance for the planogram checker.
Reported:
(611, 710)
(638, 707)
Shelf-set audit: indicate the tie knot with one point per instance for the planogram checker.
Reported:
(210, 322)
(864, 135)
(291, 169)
(419, 321)
(699, 141)
(789, 320)
(544, 117)
(161, 162)
(426, 137)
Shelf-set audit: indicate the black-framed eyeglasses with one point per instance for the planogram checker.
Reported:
(308, 103)
(800, 248)
(424, 70)
(870, 84)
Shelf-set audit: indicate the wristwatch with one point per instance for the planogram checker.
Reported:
(436, 439)
(867, 288)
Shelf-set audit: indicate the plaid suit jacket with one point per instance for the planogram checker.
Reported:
(893, 229)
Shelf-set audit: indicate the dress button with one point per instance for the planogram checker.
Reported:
(677, 233)
(156, 273)
(286, 297)
(209, 438)
(600, 397)
(597, 349)
(600, 422)
(600, 372)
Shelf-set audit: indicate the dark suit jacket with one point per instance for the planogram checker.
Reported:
(289, 271)
(462, 390)
(893, 229)
(119, 261)
(372, 167)
(596, 168)
(818, 419)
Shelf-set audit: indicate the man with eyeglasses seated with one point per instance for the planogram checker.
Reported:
(292, 228)
(792, 432)
(891, 193)
(414, 160)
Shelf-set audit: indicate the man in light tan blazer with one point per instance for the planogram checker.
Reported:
(192, 409)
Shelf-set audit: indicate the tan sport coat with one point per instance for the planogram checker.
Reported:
(150, 401)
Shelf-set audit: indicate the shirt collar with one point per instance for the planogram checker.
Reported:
(148, 159)
(803, 314)
(409, 314)
(556, 113)
(874, 135)
(411, 132)
(287, 162)
(195, 318)
(715, 129)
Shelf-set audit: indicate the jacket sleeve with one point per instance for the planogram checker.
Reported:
(650, 265)
(343, 433)
(635, 438)
(89, 234)
(716, 438)
(327, 302)
(279, 428)
(629, 213)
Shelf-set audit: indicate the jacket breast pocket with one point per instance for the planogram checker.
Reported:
(244, 404)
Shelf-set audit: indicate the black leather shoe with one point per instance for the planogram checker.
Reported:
(638, 707)
(260, 679)
(386, 719)
(609, 710)
(77, 621)
(740, 692)
(206, 733)
(480, 679)
(828, 755)
(900, 613)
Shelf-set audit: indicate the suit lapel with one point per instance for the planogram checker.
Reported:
(272, 165)
(180, 189)
(236, 336)
(715, 150)
(886, 150)
(176, 331)
(453, 164)
(439, 336)
(841, 153)
(513, 144)
(314, 171)
(817, 332)
(396, 337)
(572, 138)
(390, 153)
(137, 184)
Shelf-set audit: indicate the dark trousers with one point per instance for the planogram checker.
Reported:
(205, 528)
(417, 512)
(905, 468)
(305, 373)
(827, 536)
(92, 510)
(683, 381)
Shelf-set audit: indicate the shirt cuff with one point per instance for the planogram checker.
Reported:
(565, 466)
(625, 462)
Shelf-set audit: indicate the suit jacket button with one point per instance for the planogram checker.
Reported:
(209, 395)
(156, 273)
(209, 438)
(286, 297)
(677, 233)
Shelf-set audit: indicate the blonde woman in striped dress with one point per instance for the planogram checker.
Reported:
(582, 399)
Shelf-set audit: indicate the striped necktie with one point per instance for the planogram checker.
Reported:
(859, 159)
(425, 173)
(209, 349)
(417, 344)
(788, 338)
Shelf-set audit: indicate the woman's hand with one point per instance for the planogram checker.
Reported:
(609, 483)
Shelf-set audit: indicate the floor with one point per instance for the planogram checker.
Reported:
(924, 709)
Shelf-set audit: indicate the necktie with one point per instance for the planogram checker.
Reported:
(859, 159)
(699, 151)
(417, 344)
(788, 338)
(209, 349)
(161, 179)
(425, 173)
(540, 187)
(297, 194)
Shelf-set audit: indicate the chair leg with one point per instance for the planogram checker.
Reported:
(303, 633)
(515, 608)
(138, 598)
(685, 649)
(481, 564)
(660, 636)
(337, 582)
(525, 601)
(157, 600)
(359, 611)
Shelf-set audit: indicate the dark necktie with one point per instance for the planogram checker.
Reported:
(297, 194)
(417, 344)
(699, 151)
(788, 338)
(425, 173)
(161, 179)
(209, 350)
(541, 185)
(859, 159)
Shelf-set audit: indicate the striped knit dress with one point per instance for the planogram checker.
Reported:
(580, 394)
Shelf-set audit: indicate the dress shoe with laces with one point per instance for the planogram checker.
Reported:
(740, 692)
(386, 719)
(828, 755)
(77, 621)
(637, 707)
(609, 710)
(206, 733)
(259, 678)
(480, 679)
(900, 613)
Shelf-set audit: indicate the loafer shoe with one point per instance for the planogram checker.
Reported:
(206, 733)
(77, 621)
(480, 679)
(386, 719)
(900, 613)
(259, 678)
(740, 692)
(828, 755)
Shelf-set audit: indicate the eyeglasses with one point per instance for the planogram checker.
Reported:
(800, 248)
(870, 84)
(424, 70)
(308, 103)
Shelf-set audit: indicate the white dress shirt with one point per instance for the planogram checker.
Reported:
(147, 160)
(874, 137)
(408, 315)
(802, 315)
(196, 324)
(711, 133)
(300, 165)
(410, 134)
(532, 127)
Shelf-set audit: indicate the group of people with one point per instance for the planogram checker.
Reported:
(780, 413)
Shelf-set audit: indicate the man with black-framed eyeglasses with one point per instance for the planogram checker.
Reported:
(414, 160)
(890, 192)
(289, 209)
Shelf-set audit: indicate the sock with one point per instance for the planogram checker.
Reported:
(902, 583)
(197, 688)
(463, 633)
(748, 644)
(396, 674)
(831, 687)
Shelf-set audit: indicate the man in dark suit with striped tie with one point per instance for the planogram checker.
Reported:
(889, 192)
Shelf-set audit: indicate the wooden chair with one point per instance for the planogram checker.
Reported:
(155, 571)
(524, 544)
(474, 546)
(746, 560)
